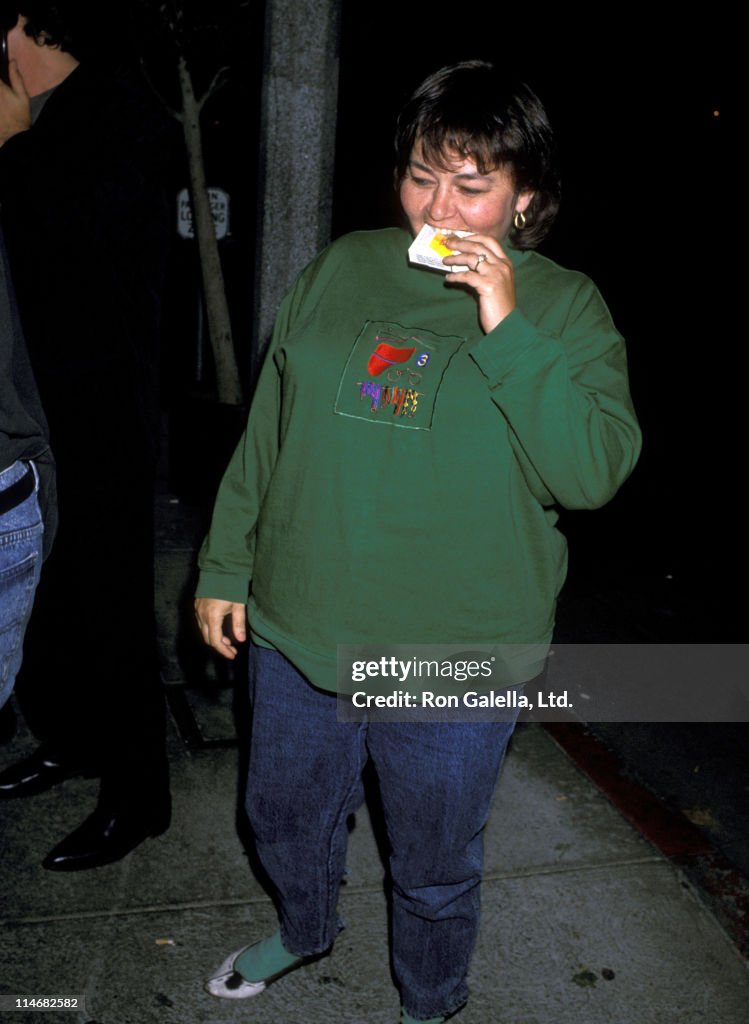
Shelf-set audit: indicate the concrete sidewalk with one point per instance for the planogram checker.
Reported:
(584, 922)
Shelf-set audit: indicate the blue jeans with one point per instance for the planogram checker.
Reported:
(20, 565)
(436, 782)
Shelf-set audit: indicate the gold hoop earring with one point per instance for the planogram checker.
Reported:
(519, 220)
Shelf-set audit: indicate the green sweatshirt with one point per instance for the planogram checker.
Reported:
(398, 477)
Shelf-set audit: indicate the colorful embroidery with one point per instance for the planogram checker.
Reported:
(403, 400)
(393, 375)
(385, 355)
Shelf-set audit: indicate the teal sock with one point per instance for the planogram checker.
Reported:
(264, 959)
(408, 1019)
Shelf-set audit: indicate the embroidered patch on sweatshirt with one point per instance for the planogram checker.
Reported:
(393, 375)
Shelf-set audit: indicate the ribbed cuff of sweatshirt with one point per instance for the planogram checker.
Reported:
(515, 348)
(222, 587)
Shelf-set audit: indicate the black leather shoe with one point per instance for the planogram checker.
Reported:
(36, 773)
(108, 835)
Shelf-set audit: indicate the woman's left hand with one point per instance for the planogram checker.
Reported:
(491, 275)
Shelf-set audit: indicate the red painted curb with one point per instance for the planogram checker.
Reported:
(717, 880)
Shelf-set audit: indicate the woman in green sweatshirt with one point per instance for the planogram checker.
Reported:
(412, 435)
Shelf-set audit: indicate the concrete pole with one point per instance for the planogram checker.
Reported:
(297, 149)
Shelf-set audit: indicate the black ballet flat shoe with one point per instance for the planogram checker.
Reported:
(108, 835)
(36, 773)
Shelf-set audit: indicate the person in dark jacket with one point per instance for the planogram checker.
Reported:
(85, 221)
(26, 464)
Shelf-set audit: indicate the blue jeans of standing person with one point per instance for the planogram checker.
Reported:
(20, 565)
(436, 781)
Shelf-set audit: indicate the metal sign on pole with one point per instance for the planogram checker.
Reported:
(219, 200)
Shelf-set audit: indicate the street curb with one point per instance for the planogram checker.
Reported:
(716, 879)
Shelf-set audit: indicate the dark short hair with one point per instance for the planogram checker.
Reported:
(50, 23)
(471, 109)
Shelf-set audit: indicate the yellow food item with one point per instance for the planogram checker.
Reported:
(438, 244)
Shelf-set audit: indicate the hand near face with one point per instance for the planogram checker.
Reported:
(456, 196)
(15, 107)
(491, 276)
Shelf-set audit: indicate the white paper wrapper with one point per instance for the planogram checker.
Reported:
(428, 248)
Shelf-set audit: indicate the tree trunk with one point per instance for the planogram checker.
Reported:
(217, 310)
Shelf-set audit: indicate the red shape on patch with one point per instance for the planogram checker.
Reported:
(385, 355)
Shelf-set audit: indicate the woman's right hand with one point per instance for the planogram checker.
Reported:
(211, 614)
